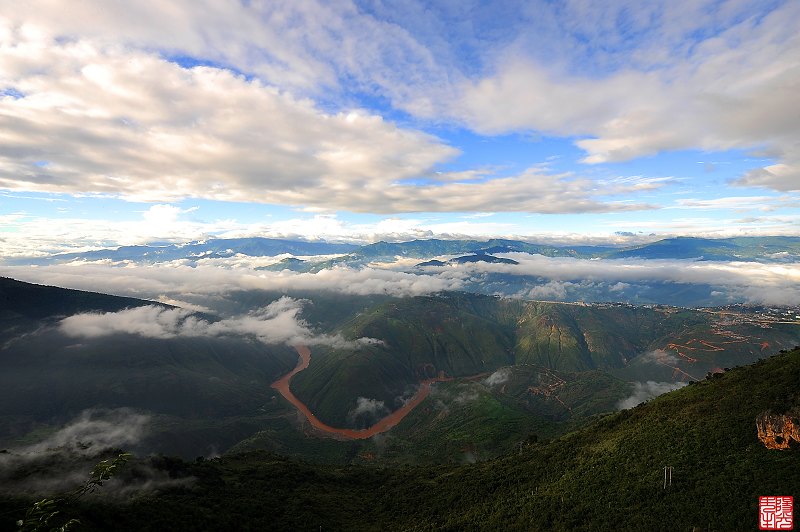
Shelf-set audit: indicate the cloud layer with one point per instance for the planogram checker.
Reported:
(83, 116)
(212, 277)
(208, 280)
(746, 281)
(277, 323)
(108, 120)
(707, 75)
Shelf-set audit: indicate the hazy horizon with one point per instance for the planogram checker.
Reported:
(352, 121)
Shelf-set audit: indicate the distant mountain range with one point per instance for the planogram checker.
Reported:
(769, 249)
(477, 257)
(211, 248)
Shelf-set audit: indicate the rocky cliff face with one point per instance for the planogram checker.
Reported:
(778, 431)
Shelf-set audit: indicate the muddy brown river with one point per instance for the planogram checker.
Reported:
(282, 385)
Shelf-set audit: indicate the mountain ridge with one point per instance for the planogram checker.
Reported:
(767, 248)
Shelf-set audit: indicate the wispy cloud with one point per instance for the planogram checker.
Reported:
(500, 376)
(368, 409)
(729, 90)
(277, 323)
(64, 460)
(743, 203)
(644, 391)
(96, 430)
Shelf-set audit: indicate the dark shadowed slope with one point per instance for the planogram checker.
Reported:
(190, 385)
(608, 476)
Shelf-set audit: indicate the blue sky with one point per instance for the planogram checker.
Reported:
(565, 121)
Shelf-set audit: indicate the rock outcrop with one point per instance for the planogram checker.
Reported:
(778, 431)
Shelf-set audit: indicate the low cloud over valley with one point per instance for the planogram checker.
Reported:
(277, 323)
(202, 283)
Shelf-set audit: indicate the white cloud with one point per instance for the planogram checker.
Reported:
(183, 304)
(628, 78)
(150, 322)
(658, 356)
(733, 89)
(782, 176)
(95, 430)
(743, 203)
(501, 376)
(370, 408)
(278, 322)
(215, 277)
(164, 214)
(677, 270)
(307, 45)
(713, 227)
(201, 283)
(644, 391)
(552, 290)
(750, 281)
(26, 235)
(108, 120)
(618, 287)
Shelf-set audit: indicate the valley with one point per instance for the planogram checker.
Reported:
(368, 265)
(606, 475)
(382, 425)
(304, 384)
(445, 378)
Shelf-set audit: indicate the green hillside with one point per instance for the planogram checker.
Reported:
(607, 476)
(457, 334)
(577, 337)
(559, 364)
(464, 335)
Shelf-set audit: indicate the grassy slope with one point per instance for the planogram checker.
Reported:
(197, 386)
(461, 421)
(457, 334)
(465, 334)
(577, 338)
(607, 476)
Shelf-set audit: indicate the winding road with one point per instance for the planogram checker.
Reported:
(386, 423)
